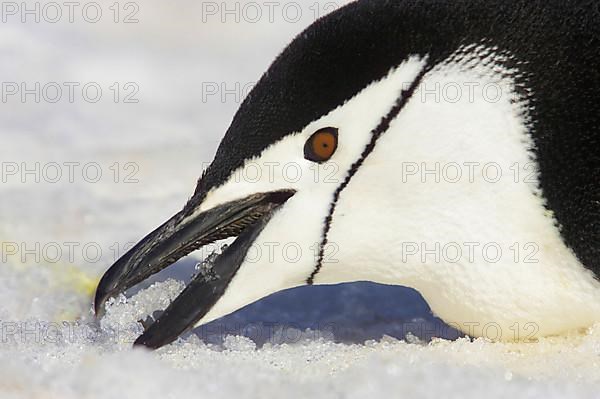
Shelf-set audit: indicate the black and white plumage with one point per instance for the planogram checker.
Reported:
(372, 71)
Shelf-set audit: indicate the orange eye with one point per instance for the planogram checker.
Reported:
(322, 145)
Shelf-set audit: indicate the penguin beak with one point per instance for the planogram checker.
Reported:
(176, 238)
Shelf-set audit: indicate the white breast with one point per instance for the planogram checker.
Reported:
(428, 210)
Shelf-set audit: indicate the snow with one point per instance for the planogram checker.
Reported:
(348, 341)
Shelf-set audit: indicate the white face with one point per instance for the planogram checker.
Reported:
(385, 207)
(407, 218)
(285, 253)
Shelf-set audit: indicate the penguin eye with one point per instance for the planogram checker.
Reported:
(322, 145)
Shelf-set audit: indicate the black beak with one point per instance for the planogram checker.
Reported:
(179, 236)
(202, 293)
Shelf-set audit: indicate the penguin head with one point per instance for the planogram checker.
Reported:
(297, 178)
(274, 194)
(293, 144)
(308, 126)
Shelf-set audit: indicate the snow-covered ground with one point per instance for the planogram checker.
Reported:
(62, 225)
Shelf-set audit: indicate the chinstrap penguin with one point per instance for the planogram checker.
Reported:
(374, 104)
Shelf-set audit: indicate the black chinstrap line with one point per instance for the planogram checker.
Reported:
(383, 126)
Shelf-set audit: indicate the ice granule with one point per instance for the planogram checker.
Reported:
(123, 320)
(239, 344)
(204, 269)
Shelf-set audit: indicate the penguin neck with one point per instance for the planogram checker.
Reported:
(449, 203)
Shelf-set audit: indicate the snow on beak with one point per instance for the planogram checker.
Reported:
(176, 238)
